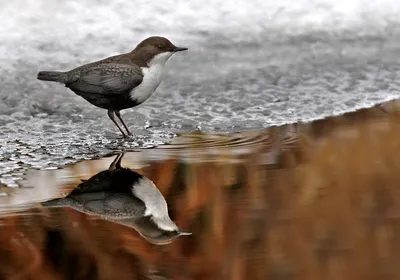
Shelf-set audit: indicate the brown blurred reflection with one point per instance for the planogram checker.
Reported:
(305, 201)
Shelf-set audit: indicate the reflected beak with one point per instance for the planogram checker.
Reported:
(179, 49)
(180, 232)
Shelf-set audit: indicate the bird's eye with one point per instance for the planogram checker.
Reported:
(160, 46)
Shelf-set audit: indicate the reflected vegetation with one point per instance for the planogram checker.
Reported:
(302, 201)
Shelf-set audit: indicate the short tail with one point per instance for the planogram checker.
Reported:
(53, 76)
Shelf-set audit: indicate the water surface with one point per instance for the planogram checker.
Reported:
(300, 201)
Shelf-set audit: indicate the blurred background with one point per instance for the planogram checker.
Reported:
(261, 164)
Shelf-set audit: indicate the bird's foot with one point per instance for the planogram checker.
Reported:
(129, 133)
(128, 136)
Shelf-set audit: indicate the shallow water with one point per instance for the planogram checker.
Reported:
(247, 68)
(300, 201)
(265, 194)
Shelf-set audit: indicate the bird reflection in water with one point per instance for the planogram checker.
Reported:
(123, 196)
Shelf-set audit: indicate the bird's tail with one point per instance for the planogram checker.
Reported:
(53, 76)
(58, 202)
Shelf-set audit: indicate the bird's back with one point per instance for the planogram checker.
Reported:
(71, 76)
(116, 59)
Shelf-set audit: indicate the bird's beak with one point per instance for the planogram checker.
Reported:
(181, 232)
(179, 49)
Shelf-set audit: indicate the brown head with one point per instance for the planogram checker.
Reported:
(153, 46)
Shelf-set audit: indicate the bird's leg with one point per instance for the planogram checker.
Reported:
(116, 164)
(123, 123)
(112, 117)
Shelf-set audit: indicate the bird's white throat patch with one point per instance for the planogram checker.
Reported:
(156, 206)
(152, 77)
(160, 58)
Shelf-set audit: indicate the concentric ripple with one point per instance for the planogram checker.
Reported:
(285, 135)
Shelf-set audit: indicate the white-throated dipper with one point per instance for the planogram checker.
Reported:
(119, 82)
(123, 196)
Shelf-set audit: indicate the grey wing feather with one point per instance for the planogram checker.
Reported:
(117, 205)
(129, 204)
(96, 206)
(108, 79)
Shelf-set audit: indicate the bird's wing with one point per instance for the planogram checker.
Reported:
(116, 205)
(108, 79)
(125, 205)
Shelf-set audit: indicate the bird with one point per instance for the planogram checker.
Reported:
(123, 196)
(119, 82)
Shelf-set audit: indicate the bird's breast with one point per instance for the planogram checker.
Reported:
(152, 77)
